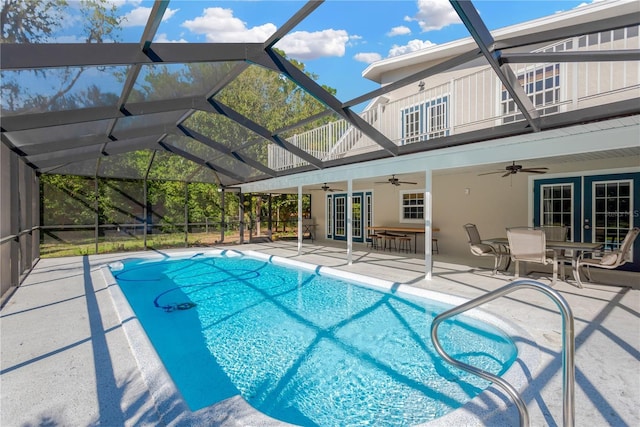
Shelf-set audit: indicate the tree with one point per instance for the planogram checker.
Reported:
(37, 21)
(266, 97)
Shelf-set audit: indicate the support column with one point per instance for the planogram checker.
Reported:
(146, 198)
(186, 214)
(222, 215)
(35, 212)
(241, 214)
(270, 220)
(428, 223)
(25, 212)
(96, 205)
(300, 220)
(349, 221)
(145, 211)
(14, 207)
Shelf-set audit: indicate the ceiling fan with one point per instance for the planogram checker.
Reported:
(513, 169)
(395, 181)
(325, 188)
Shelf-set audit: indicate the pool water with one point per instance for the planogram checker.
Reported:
(302, 347)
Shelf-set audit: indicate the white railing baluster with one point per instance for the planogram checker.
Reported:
(471, 107)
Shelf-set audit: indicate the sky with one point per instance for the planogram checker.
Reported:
(337, 41)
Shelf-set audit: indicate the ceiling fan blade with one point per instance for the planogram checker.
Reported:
(532, 171)
(507, 174)
(406, 182)
(490, 173)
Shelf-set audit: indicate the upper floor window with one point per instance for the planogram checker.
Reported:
(542, 86)
(425, 121)
(412, 206)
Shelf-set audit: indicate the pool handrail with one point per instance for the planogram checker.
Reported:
(568, 347)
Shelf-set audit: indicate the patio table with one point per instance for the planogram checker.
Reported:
(576, 249)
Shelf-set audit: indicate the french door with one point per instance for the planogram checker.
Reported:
(595, 208)
(337, 216)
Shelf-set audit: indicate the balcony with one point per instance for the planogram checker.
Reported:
(478, 100)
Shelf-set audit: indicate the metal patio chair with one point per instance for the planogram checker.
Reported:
(607, 260)
(529, 245)
(478, 248)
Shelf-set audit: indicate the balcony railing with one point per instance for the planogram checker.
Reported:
(478, 100)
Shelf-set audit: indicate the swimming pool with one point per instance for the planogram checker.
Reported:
(303, 347)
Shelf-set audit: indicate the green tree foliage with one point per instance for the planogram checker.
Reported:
(30, 21)
(266, 97)
(67, 200)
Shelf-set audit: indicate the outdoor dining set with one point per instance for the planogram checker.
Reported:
(548, 245)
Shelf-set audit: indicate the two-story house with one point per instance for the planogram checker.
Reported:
(591, 180)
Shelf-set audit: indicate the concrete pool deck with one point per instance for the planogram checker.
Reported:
(66, 360)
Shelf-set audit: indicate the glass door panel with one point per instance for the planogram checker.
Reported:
(357, 218)
(340, 217)
(612, 207)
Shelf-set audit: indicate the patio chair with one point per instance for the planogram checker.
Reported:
(607, 260)
(530, 245)
(478, 248)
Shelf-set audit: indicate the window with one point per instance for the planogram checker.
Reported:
(411, 125)
(369, 213)
(426, 121)
(412, 206)
(542, 85)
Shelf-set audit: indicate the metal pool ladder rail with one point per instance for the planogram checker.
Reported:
(568, 347)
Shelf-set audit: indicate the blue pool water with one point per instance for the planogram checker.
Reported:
(302, 347)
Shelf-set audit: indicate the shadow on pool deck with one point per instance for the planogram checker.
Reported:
(65, 359)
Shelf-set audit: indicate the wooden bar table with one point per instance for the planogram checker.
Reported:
(408, 230)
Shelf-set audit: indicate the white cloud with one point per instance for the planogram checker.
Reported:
(588, 3)
(412, 46)
(305, 45)
(69, 39)
(367, 57)
(139, 16)
(120, 3)
(399, 31)
(162, 38)
(434, 15)
(220, 26)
